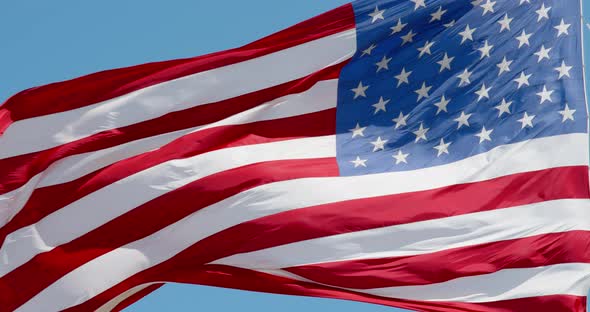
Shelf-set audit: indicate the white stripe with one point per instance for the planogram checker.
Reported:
(559, 279)
(321, 96)
(113, 303)
(106, 271)
(424, 237)
(218, 84)
(123, 196)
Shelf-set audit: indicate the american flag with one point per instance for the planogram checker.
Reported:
(424, 154)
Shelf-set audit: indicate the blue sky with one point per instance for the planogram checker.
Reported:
(47, 41)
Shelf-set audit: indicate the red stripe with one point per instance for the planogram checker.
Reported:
(98, 87)
(536, 251)
(27, 280)
(16, 171)
(291, 226)
(237, 278)
(45, 201)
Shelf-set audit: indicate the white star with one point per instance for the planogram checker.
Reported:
(398, 28)
(523, 1)
(526, 120)
(504, 107)
(423, 91)
(401, 120)
(523, 80)
(358, 162)
(419, 3)
(476, 2)
(465, 76)
(442, 104)
(445, 63)
(504, 66)
(467, 34)
(488, 7)
(545, 95)
(505, 23)
(543, 12)
(437, 16)
(442, 148)
(409, 37)
(425, 49)
(563, 70)
(463, 120)
(421, 133)
(360, 90)
(543, 53)
(567, 113)
(449, 24)
(485, 50)
(562, 29)
(403, 77)
(380, 106)
(368, 50)
(383, 64)
(523, 39)
(484, 135)
(401, 157)
(379, 144)
(483, 92)
(377, 15)
(358, 131)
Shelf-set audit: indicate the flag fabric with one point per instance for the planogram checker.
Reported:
(424, 154)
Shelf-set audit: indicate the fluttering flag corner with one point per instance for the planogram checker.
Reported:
(424, 154)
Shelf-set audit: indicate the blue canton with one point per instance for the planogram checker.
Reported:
(437, 81)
